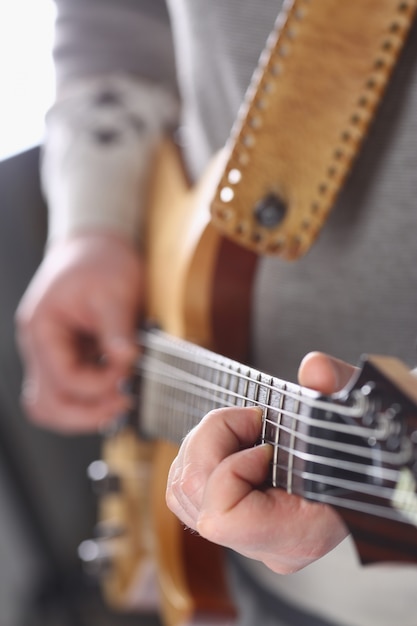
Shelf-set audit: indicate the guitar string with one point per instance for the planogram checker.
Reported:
(386, 457)
(356, 450)
(382, 511)
(377, 491)
(166, 345)
(202, 383)
(364, 471)
(372, 472)
(196, 386)
(178, 375)
(193, 384)
(386, 493)
(201, 387)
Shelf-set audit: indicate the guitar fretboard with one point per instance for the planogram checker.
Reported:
(181, 382)
(322, 449)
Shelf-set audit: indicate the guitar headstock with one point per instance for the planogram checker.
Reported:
(367, 460)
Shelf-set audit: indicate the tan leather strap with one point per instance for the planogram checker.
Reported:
(310, 103)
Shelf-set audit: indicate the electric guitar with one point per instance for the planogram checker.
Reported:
(355, 450)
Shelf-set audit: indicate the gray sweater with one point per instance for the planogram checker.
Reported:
(354, 292)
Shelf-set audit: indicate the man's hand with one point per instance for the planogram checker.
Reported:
(215, 483)
(76, 332)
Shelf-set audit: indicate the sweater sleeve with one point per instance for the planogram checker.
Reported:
(116, 95)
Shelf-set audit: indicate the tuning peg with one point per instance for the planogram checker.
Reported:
(103, 480)
(95, 557)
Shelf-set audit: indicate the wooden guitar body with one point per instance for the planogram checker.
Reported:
(355, 450)
(199, 289)
(199, 283)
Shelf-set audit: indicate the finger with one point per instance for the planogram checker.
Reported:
(233, 490)
(218, 435)
(324, 373)
(238, 476)
(66, 414)
(52, 357)
(260, 523)
(117, 334)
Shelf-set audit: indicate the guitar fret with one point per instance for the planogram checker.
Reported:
(256, 388)
(291, 446)
(206, 376)
(268, 387)
(216, 381)
(228, 385)
(235, 397)
(171, 425)
(182, 382)
(245, 389)
(191, 370)
(202, 402)
(280, 410)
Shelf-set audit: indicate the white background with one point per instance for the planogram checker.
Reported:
(26, 73)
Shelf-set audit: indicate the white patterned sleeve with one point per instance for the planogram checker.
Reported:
(101, 132)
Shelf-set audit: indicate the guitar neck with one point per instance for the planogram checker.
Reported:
(351, 450)
(181, 382)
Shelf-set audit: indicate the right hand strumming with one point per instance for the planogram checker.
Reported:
(76, 332)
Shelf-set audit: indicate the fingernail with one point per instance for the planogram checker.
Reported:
(336, 373)
(257, 412)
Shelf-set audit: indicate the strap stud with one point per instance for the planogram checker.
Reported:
(270, 211)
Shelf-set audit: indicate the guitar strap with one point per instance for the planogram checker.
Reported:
(311, 100)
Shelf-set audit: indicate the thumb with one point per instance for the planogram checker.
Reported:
(324, 373)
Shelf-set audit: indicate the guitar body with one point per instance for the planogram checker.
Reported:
(199, 289)
(199, 283)
(355, 450)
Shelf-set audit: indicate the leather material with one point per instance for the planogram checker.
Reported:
(312, 98)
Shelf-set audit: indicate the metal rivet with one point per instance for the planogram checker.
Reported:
(276, 69)
(255, 122)
(248, 140)
(243, 158)
(256, 237)
(227, 194)
(235, 176)
(224, 214)
(260, 104)
(276, 246)
(268, 87)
